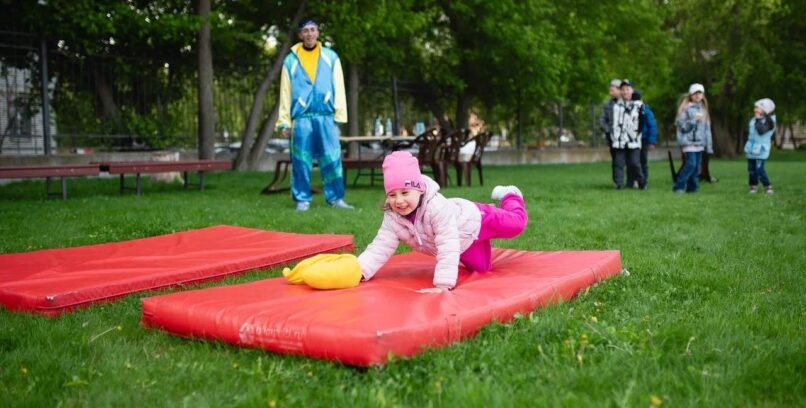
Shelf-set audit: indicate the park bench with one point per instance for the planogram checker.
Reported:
(48, 172)
(139, 167)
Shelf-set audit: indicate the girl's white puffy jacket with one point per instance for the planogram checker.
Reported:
(443, 227)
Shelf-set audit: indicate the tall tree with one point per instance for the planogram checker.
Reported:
(373, 39)
(742, 50)
(250, 152)
(206, 108)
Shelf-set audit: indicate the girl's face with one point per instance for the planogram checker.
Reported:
(696, 97)
(403, 200)
(757, 112)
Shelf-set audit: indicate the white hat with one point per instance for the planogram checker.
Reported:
(766, 104)
(616, 83)
(694, 88)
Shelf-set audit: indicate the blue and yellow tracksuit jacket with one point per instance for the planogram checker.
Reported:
(311, 106)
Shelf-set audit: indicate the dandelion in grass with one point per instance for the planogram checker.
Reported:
(438, 386)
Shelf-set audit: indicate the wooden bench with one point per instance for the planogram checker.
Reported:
(48, 172)
(137, 168)
(282, 166)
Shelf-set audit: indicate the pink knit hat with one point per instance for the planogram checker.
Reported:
(401, 170)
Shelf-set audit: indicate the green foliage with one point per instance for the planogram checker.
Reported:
(493, 56)
(711, 314)
(742, 51)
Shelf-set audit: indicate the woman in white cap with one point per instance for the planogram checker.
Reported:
(759, 140)
(693, 136)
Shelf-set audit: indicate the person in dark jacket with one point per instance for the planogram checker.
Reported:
(606, 121)
(649, 138)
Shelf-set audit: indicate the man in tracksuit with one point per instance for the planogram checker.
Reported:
(312, 100)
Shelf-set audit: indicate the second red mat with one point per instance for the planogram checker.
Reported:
(363, 325)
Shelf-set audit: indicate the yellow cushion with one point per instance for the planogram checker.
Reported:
(326, 271)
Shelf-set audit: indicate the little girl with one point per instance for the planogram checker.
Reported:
(757, 148)
(452, 229)
(693, 136)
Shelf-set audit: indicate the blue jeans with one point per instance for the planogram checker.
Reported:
(756, 169)
(689, 176)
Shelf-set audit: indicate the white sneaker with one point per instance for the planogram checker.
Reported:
(340, 203)
(303, 206)
(500, 191)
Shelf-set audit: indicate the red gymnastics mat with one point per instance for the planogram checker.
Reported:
(53, 281)
(363, 325)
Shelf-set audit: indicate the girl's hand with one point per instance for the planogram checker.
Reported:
(699, 115)
(432, 290)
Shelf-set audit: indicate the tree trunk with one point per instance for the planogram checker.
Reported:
(352, 100)
(206, 107)
(791, 128)
(439, 114)
(247, 138)
(726, 136)
(463, 110)
(109, 109)
(260, 145)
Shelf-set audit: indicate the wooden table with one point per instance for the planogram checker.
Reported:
(355, 161)
(354, 142)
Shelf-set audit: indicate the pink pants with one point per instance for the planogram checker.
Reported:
(505, 222)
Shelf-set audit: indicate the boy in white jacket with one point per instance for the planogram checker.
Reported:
(454, 230)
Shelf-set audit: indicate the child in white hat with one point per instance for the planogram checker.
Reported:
(693, 136)
(759, 141)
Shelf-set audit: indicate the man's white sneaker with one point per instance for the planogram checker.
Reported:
(340, 203)
(303, 206)
(500, 191)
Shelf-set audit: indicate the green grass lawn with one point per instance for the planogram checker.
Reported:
(712, 312)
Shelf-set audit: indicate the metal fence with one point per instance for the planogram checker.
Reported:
(549, 124)
(52, 100)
